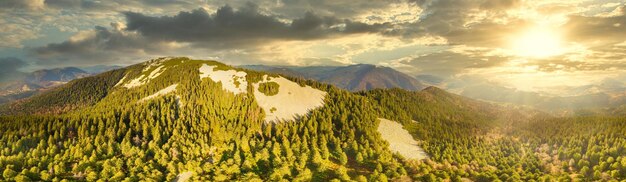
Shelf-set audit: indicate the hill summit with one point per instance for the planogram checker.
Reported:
(281, 98)
(177, 117)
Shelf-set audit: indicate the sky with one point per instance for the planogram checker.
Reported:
(529, 45)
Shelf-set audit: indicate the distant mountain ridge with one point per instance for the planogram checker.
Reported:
(600, 96)
(608, 93)
(100, 68)
(363, 77)
(33, 83)
(359, 77)
(56, 75)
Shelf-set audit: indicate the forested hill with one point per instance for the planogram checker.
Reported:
(177, 118)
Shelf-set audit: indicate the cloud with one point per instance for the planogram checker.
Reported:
(121, 5)
(243, 27)
(99, 45)
(450, 62)
(15, 32)
(284, 8)
(9, 68)
(21, 4)
(471, 22)
(499, 4)
(66, 3)
(339, 8)
(294, 31)
(586, 60)
(605, 29)
(225, 33)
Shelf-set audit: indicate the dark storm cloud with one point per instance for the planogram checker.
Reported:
(244, 26)
(9, 68)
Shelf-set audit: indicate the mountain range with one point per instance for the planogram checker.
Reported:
(212, 117)
(603, 96)
(178, 119)
(359, 77)
(35, 82)
(578, 99)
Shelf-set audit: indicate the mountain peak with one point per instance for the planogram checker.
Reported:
(62, 69)
(281, 98)
(356, 77)
(57, 74)
(362, 66)
(433, 89)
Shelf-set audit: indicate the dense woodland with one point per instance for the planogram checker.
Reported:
(91, 130)
(482, 142)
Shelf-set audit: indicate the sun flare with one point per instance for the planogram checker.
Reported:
(537, 42)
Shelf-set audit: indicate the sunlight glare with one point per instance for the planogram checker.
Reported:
(537, 42)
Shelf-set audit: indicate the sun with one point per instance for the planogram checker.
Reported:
(537, 42)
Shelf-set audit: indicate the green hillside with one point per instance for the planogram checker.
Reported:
(214, 134)
(473, 140)
(73, 95)
(129, 125)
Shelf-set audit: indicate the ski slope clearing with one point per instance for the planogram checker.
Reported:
(121, 81)
(156, 72)
(135, 82)
(232, 80)
(161, 92)
(291, 101)
(400, 140)
(182, 177)
(143, 78)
